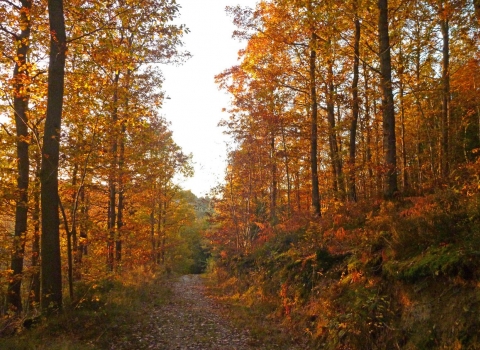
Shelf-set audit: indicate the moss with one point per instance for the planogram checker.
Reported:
(434, 262)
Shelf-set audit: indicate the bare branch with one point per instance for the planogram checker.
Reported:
(11, 4)
(293, 88)
(6, 130)
(103, 27)
(8, 56)
(2, 28)
(90, 33)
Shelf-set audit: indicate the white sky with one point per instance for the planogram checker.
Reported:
(195, 107)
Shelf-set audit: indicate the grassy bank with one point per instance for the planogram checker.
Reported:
(396, 275)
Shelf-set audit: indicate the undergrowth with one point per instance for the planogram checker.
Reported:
(396, 275)
(103, 311)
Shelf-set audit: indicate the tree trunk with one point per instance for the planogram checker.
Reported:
(273, 198)
(287, 171)
(445, 122)
(72, 234)
(405, 181)
(388, 111)
(313, 129)
(368, 136)
(35, 287)
(418, 114)
(51, 263)
(162, 227)
(352, 192)
(332, 132)
(121, 196)
(80, 246)
(20, 106)
(152, 224)
(112, 202)
(121, 175)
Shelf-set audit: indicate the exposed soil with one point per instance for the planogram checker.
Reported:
(189, 320)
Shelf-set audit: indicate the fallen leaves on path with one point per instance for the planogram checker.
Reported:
(189, 320)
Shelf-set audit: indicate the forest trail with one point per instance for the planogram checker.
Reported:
(188, 320)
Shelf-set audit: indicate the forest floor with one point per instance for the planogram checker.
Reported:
(166, 313)
(191, 318)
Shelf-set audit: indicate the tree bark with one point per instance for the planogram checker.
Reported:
(20, 106)
(83, 243)
(445, 122)
(388, 111)
(51, 263)
(287, 170)
(352, 192)
(35, 287)
(313, 128)
(112, 202)
(332, 132)
(368, 136)
(273, 197)
(121, 196)
(405, 179)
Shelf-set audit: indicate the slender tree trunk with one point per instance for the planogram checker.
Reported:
(273, 199)
(162, 197)
(50, 244)
(388, 111)
(419, 112)
(163, 236)
(445, 121)
(80, 241)
(313, 129)
(112, 202)
(297, 191)
(405, 181)
(379, 149)
(352, 192)
(82, 244)
(121, 195)
(287, 171)
(72, 234)
(332, 132)
(69, 250)
(368, 136)
(73, 216)
(121, 175)
(152, 224)
(20, 106)
(35, 288)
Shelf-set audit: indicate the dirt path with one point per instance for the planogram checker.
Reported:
(189, 320)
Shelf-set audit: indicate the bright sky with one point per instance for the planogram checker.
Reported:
(195, 107)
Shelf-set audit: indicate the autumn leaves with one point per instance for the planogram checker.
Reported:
(350, 101)
(89, 136)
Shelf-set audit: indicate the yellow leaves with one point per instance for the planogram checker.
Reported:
(27, 139)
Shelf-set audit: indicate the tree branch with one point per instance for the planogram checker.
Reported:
(292, 88)
(6, 130)
(90, 33)
(2, 28)
(11, 4)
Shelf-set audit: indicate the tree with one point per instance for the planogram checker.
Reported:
(50, 246)
(20, 108)
(355, 104)
(388, 108)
